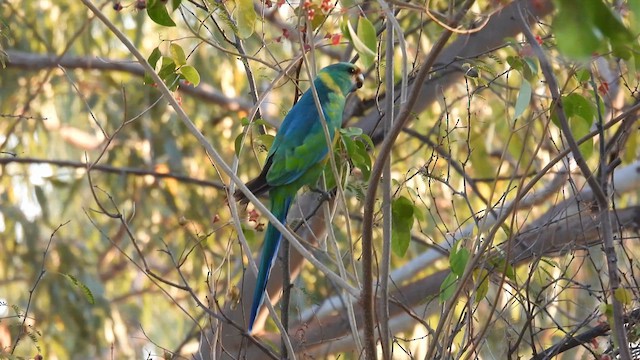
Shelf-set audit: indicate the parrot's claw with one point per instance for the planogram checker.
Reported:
(324, 195)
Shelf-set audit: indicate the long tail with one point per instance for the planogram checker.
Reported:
(279, 207)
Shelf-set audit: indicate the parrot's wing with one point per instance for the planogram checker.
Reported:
(296, 153)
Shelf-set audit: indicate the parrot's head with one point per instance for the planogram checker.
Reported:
(347, 76)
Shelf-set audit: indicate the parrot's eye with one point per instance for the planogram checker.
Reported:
(352, 70)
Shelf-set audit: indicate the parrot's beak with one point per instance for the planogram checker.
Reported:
(359, 78)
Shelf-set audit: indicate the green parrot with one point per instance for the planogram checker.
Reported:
(298, 156)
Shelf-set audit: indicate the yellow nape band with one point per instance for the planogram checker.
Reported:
(328, 81)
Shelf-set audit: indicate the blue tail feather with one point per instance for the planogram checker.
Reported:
(272, 238)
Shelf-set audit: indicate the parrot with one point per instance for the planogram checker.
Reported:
(297, 157)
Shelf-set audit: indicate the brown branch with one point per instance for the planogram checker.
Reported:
(598, 186)
(564, 236)
(22, 328)
(376, 173)
(28, 61)
(570, 341)
(113, 170)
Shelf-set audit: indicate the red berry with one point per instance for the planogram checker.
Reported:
(603, 88)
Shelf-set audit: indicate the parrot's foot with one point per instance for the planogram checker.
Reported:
(324, 195)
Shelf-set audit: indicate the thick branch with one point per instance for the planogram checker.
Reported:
(29, 61)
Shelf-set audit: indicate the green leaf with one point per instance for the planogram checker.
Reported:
(364, 163)
(367, 140)
(515, 62)
(266, 140)
(351, 131)
(87, 292)
(154, 57)
(458, 261)
(249, 233)
(501, 264)
(583, 75)
(531, 70)
(577, 105)
(401, 223)
(482, 167)
(237, 143)
(245, 18)
(157, 12)
(633, 143)
(172, 81)
(613, 28)
(367, 33)
(190, 74)
(177, 54)
(634, 6)
(344, 28)
(448, 287)
(579, 128)
(524, 97)
(583, 28)
(167, 68)
(574, 30)
(175, 4)
(607, 310)
(580, 113)
(483, 286)
(623, 295)
(153, 61)
(366, 55)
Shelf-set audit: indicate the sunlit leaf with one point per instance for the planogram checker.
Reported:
(85, 290)
(623, 295)
(177, 53)
(402, 221)
(237, 143)
(367, 56)
(367, 33)
(190, 74)
(245, 18)
(266, 140)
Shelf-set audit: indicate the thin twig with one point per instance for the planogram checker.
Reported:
(376, 173)
(113, 170)
(385, 262)
(598, 186)
(219, 161)
(22, 326)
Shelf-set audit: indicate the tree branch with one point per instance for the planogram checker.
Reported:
(28, 61)
(376, 173)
